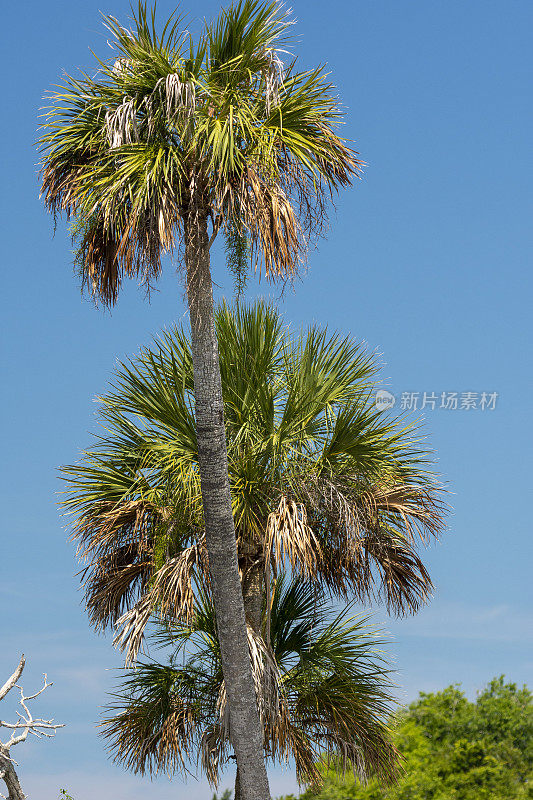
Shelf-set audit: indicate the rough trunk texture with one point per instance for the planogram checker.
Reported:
(252, 567)
(9, 776)
(237, 792)
(253, 604)
(245, 728)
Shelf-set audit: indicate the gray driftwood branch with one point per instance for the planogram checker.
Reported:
(19, 730)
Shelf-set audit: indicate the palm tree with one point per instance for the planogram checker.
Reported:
(172, 137)
(324, 692)
(322, 482)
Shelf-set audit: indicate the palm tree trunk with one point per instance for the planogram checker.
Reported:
(245, 728)
(253, 603)
(252, 584)
(237, 792)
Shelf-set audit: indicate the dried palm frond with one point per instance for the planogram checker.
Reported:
(121, 124)
(105, 524)
(277, 235)
(214, 748)
(97, 250)
(371, 537)
(273, 73)
(271, 705)
(170, 594)
(122, 66)
(114, 541)
(402, 581)
(179, 96)
(419, 511)
(289, 537)
(131, 627)
(113, 582)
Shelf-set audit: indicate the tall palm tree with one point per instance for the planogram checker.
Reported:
(169, 138)
(324, 693)
(322, 482)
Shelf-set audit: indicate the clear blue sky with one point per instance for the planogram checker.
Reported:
(428, 259)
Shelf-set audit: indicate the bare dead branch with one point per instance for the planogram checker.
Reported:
(25, 724)
(8, 685)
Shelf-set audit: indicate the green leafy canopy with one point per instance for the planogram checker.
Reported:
(456, 749)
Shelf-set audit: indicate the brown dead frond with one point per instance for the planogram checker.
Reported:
(276, 231)
(114, 543)
(267, 680)
(214, 748)
(418, 511)
(131, 627)
(144, 747)
(61, 178)
(368, 539)
(170, 593)
(402, 581)
(113, 583)
(173, 583)
(289, 537)
(109, 525)
(107, 252)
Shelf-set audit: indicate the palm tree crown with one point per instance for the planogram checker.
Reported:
(324, 692)
(222, 127)
(322, 482)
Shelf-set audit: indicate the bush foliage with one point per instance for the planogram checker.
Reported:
(454, 749)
